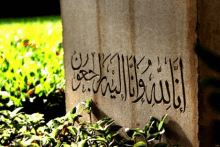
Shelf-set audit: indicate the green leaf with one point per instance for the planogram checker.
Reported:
(58, 143)
(98, 138)
(52, 140)
(23, 129)
(50, 124)
(66, 145)
(34, 145)
(72, 130)
(146, 128)
(115, 134)
(88, 103)
(109, 137)
(88, 111)
(136, 134)
(56, 132)
(7, 86)
(83, 143)
(84, 134)
(94, 126)
(75, 117)
(152, 137)
(153, 119)
(140, 144)
(108, 124)
(73, 111)
(38, 89)
(27, 141)
(161, 122)
(137, 130)
(162, 131)
(74, 144)
(6, 113)
(56, 123)
(103, 120)
(4, 93)
(13, 113)
(27, 134)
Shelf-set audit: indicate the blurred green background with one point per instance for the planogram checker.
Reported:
(31, 64)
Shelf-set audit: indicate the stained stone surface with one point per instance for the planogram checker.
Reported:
(134, 59)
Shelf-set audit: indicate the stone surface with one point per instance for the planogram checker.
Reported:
(135, 59)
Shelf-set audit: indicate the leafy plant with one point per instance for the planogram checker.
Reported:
(19, 129)
(152, 131)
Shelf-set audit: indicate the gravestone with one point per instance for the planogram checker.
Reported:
(136, 59)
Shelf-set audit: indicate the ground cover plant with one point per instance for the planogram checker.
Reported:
(31, 64)
(19, 129)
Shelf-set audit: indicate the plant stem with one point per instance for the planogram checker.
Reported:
(90, 116)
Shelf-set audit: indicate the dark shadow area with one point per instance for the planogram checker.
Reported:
(214, 101)
(51, 106)
(215, 129)
(25, 8)
(210, 82)
(175, 132)
(208, 57)
(97, 113)
(214, 97)
(212, 60)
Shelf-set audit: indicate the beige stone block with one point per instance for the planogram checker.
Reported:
(134, 59)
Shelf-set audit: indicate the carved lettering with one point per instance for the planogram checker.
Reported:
(126, 77)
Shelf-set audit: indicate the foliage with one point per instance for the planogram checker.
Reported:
(152, 131)
(31, 62)
(19, 129)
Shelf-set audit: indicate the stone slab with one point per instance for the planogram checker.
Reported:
(135, 59)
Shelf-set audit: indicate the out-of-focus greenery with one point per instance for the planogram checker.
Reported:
(31, 60)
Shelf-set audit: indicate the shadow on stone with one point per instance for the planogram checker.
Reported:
(208, 57)
(97, 113)
(175, 132)
(215, 129)
(214, 101)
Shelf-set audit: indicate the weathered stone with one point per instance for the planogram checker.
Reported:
(135, 59)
